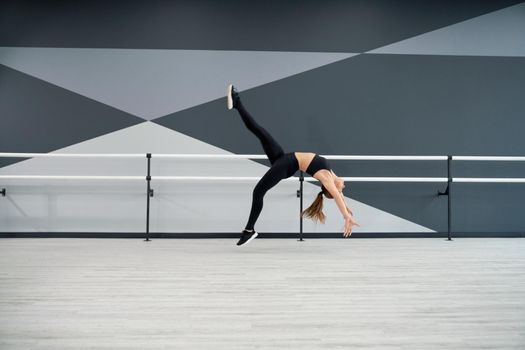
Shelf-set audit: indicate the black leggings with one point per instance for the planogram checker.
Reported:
(283, 165)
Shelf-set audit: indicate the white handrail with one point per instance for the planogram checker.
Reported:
(70, 177)
(256, 178)
(495, 158)
(249, 156)
(488, 179)
(308, 179)
(204, 156)
(209, 156)
(253, 178)
(262, 156)
(216, 178)
(72, 155)
(395, 179)
(337, 157)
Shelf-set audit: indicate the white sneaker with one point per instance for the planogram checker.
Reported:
(232, 96)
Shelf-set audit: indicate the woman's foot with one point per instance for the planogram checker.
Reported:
(233, 97)
(247, 236)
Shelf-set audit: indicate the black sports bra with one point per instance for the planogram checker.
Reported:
(317, 164)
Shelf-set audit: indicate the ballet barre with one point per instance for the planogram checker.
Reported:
(250, 156)
(301, 178)
(255, 178)
(203, 156)
(71, 155)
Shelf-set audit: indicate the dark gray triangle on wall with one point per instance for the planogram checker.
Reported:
(274, 25)
(385, 105)
(40, 117)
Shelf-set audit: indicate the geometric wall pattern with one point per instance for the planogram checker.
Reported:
(153, 83)
(450, 82)
(499, 33)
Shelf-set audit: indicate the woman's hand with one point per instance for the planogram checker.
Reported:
(349, 222)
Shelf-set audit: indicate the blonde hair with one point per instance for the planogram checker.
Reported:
(315, 210)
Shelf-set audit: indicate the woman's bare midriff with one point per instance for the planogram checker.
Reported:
(304, 159)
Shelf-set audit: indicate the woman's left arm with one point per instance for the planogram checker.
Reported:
(342, 196)
(339, 200)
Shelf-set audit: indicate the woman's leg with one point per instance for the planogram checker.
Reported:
(276, 173)
(272, 149)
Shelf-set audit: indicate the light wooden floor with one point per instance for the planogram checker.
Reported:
(272, 294)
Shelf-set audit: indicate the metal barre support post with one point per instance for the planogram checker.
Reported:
(149, 193)
(448, 194)
(449, 197)
(301, 180)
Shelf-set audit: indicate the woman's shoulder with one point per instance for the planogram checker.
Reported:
(324, 175)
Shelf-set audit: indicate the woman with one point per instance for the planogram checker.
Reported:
(285, 165)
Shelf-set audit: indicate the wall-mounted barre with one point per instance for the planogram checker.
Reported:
(203, 156)
(255, 178)
(449, 179)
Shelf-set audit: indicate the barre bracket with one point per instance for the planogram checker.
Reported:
(443, 193)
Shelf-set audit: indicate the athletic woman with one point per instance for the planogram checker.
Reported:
(284, 165)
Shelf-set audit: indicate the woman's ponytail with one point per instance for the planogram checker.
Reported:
(315, 210)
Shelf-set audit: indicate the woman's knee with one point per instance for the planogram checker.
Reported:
(259, 191)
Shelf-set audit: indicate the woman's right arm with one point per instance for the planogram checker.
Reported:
(328, 183)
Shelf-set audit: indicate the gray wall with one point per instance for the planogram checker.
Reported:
(331, 77)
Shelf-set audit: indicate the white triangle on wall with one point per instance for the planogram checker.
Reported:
(154, 83)
(499, 33)
(95, 206)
